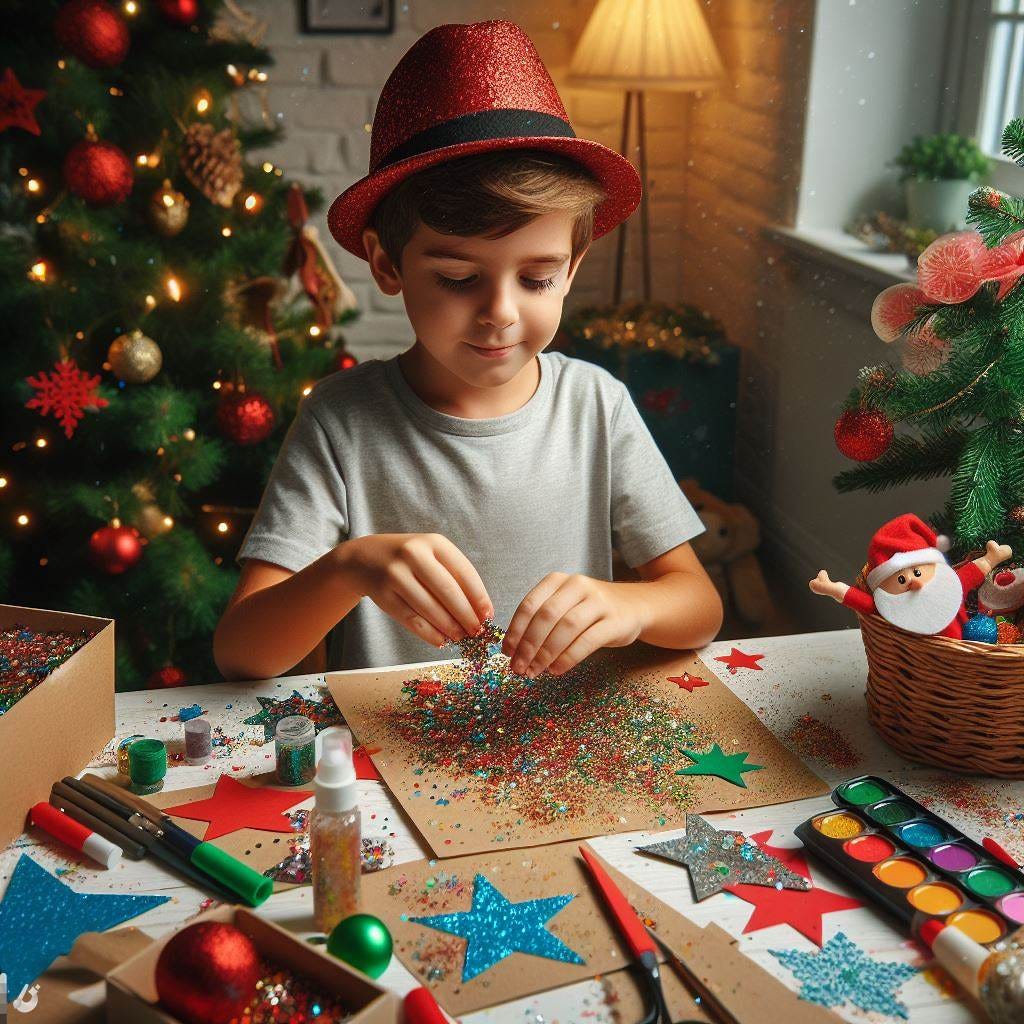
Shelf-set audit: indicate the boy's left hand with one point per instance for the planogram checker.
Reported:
(565, 618)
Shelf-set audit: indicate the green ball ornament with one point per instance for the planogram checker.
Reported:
(363, 941)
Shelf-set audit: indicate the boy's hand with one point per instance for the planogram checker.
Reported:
(421, 580)
(565, 618)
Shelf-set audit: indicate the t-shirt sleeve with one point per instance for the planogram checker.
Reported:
(650, 513)
(303, 511)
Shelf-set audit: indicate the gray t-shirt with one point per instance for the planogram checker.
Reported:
(550, 487)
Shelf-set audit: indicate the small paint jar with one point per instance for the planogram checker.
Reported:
(198, 741)
(122, 752)
(295, 743)
(147, 766)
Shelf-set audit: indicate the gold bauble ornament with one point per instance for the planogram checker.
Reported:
(134, 357)
(152, 521)
(168, 211)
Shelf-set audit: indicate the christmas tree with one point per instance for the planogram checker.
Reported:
(166, 308)
(959, 393)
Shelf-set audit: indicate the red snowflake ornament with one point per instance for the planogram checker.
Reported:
(65, 393)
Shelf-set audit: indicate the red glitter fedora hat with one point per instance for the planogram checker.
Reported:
(463, 89)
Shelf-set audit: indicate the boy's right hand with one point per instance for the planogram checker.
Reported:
(423, 581)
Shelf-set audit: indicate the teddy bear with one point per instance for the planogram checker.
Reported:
(726, 550)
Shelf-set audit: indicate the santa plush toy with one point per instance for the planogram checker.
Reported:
(912, 586)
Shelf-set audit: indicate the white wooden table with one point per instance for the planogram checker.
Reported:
(820, 675)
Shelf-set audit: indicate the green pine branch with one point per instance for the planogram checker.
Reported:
(908, 459)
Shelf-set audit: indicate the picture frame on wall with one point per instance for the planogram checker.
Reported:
(348, 17)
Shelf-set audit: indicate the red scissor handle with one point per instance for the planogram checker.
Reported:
(632, 928)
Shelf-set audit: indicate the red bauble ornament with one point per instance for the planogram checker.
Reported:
(207, 973)
(115, 549)
(166, 677)
(346, 360)
(93, 31)
(179, 12)
(863, 434)
(245, 417)
(98, 172)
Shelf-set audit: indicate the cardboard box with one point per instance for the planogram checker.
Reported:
(59, 727)
(131, 988)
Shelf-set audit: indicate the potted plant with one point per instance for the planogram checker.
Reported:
(939, 172)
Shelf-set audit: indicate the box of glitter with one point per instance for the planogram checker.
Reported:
(298, 981)
(56, 703)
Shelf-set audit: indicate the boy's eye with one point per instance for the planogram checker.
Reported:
(459, 283)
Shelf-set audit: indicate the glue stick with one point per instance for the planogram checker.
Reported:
(334, 842)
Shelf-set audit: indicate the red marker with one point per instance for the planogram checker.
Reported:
(421, 1008)
(77, 836)
(997, 851)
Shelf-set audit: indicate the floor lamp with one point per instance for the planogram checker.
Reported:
(642, 45)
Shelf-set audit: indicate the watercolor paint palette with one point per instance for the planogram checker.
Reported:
(913, 862)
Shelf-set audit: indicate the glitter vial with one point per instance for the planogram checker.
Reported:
(295, 743)
(334, 840)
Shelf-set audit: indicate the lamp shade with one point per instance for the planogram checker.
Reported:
(647, 44)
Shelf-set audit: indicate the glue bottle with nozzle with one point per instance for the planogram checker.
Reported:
(334, 840)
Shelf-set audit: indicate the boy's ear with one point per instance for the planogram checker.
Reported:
(385, 273)
(574, 268)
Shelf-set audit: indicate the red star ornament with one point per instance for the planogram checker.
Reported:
(235, 805)
(772, 906)
(738, 659)
(687, 682)
(18, 104)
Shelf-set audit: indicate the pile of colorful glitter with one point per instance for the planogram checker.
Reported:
(284, 997)
(548, 747)
(28, 657)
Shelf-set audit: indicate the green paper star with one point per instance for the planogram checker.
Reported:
(717, 762)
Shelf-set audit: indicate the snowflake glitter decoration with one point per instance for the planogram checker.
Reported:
(65, 393)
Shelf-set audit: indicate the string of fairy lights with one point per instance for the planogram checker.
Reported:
(220, 521)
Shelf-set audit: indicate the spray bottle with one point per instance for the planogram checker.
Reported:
(334, 841)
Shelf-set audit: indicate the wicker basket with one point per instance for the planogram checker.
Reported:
(957, 704)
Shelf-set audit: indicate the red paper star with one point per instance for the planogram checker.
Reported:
(801, 910)
(65, 393)
(234, 806)
(688, 682)
(738, 659)
(18, 104)
(365, 768)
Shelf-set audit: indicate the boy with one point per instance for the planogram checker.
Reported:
(471, 477)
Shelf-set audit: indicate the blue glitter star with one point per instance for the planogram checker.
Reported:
(495, 928)
(40, 918)
(842, 972)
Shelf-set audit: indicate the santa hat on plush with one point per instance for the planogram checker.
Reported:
(901, 543)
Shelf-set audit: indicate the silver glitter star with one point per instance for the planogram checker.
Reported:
(716, 859)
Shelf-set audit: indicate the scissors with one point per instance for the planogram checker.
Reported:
(642, 945)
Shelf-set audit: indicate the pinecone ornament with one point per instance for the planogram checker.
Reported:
(212, 162)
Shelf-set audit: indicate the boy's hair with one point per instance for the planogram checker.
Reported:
(490, 195)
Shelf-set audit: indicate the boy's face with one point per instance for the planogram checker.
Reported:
(482, 307)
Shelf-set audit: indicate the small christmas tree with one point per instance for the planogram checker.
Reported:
(960, 390)
(165, 309)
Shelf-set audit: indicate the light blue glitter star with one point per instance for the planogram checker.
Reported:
(842, 972)
(494, 928)
(40, 918)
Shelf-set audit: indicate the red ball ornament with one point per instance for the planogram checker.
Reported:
(98, 172)
(346, 360)
(245, 417)
(115, 549)
(863, 434)
(207, 973)
(179, 12)
(93, 31)
(166, 677)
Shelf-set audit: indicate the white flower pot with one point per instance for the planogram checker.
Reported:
(939, 205)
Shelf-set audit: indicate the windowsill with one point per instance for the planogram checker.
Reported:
(844, 252)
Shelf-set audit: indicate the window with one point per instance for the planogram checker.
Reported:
(985, 80)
